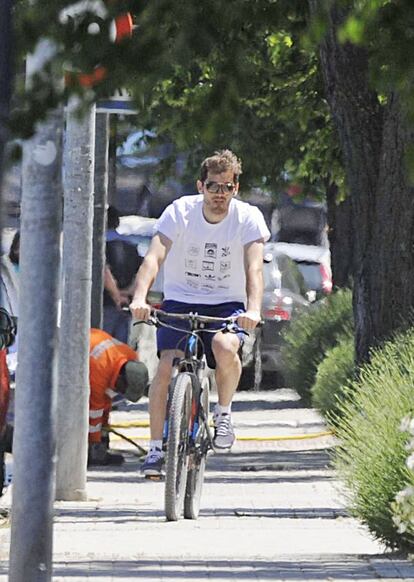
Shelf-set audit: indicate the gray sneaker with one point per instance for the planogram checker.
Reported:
(152, 466)
(224, 436)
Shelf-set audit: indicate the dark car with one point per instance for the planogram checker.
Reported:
(285, 296)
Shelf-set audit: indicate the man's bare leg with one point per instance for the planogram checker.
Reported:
(152, 467)
(228, 366)
(228, 371)
(158, 393)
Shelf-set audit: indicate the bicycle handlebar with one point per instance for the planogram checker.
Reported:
(229, 321)
(193, 316)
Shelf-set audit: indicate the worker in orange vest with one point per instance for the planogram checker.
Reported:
(113, 369)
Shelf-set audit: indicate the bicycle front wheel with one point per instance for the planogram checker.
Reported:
(197, 461)
(177, 447)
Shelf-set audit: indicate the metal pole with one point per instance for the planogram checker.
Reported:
(73, 390)
(99, 217)
(34, 437)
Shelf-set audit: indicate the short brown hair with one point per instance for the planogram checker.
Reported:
(221, 161)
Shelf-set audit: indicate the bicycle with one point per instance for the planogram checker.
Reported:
(187, 435)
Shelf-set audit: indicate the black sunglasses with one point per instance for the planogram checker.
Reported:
(215, 187)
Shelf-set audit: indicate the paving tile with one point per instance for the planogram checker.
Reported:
(271, 511)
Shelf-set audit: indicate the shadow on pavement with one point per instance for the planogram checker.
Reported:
(260, 404)
(115, 514)
(271, 460)
(244, 401)
(340, 567)
(238, 467)
(264, 479)
(120, 515)
(276, 512)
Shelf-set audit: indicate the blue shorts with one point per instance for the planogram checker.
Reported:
(169, 339)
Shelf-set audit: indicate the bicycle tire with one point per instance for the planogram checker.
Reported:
(177, 447)
(197, 463)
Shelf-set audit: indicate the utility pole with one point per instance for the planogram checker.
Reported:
(35, 413)
(99, 217)
(73, 389)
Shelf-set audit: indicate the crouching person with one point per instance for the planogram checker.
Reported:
(113, 369)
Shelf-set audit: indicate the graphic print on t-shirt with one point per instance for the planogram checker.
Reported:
(208, 266)
(191, 264)
(193, 251)
(204, 274)
(210, 250)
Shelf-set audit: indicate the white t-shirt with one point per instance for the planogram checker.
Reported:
(206, 261)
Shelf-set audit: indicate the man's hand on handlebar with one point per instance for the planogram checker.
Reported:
(249, 320)
(140, 310)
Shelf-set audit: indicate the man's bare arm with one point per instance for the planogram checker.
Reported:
(160, 245)
(111, 285)
(253, 264)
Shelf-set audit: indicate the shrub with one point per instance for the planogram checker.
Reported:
(403, 505)
(308, 338)
(371, 456)
(332, 376)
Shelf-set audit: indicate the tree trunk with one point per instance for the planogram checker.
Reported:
(35, 410)
(374, 141)
(99, 217)
(392, 264)
(73, 393)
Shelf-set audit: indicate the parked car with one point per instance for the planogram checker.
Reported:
(285, 296)
(314, 263)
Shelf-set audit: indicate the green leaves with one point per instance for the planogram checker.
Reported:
(223, 74)
(352, 31)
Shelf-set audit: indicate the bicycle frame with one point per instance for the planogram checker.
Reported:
(194, 364)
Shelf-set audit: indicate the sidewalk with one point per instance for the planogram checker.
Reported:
(271, 510)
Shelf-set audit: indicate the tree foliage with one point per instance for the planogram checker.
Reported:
(210, 75)
(247, 74)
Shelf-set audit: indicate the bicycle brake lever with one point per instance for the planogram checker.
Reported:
(150, 321)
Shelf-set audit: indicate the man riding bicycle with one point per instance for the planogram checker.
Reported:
(212, 246)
